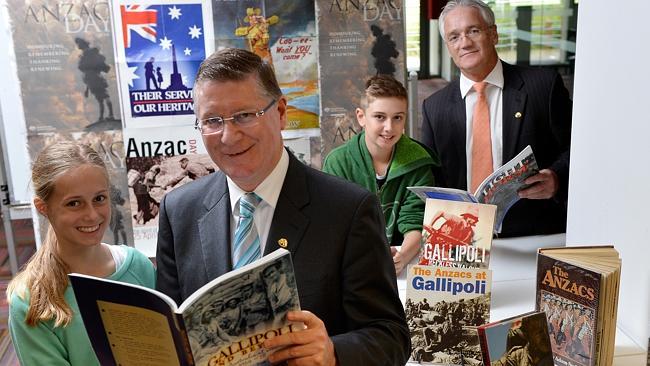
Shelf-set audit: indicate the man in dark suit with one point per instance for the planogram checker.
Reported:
(526, 106)
(333, 229)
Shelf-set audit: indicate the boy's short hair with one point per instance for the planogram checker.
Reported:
(382, 86)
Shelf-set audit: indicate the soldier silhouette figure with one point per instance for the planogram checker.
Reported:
(150, 74)
(92, 64)
(383, 50)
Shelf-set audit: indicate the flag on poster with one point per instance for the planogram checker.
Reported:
(159, 49)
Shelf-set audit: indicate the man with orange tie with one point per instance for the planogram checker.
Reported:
(487, 116)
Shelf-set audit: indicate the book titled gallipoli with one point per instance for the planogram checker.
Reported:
(457, 234)
(223, 323)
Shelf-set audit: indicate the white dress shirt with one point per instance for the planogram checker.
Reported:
(268, 191)
(494, 94)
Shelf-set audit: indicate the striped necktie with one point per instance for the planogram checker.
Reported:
(246, 245)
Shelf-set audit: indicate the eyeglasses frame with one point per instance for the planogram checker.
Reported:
(258, 114)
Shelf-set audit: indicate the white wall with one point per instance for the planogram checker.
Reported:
(609, 189)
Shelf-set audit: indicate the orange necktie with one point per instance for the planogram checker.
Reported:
(481, 140)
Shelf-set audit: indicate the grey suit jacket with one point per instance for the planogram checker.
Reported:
(544, 122)
(335, 233)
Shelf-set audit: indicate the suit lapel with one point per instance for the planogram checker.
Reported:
(514, 103)
(458, 119)
(214, 229)
(289, 223)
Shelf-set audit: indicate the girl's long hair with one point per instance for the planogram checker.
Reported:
(45, 275)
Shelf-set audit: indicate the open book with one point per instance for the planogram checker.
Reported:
(499, 188)
(224, 322)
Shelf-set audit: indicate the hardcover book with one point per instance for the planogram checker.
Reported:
(577, 288)
(223, 323)
(457, 234)
(443, 307)
(520, 340)
(499, 188)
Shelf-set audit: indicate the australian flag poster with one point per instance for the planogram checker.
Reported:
(159, 48)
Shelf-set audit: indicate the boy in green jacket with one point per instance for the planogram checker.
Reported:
(385, 161)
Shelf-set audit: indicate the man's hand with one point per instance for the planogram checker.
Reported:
(544, 185)
(311, 346)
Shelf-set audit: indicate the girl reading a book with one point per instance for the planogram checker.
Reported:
(385, 161)
(72, 192)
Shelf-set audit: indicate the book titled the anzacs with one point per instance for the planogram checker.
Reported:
(457, 234)
(223, 323)
(499, 188)
(443, 307)
(577, 287)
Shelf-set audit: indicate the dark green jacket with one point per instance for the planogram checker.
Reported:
(411, 166)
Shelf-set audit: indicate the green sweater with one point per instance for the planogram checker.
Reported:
(45, 344)
(411, 166)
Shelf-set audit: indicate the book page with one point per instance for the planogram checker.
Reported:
(149, 344)
(228, 319)
(502, 186)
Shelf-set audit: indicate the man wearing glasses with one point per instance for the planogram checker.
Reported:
(491, 113)
(263, 198)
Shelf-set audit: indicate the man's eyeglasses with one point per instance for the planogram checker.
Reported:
(473, 33)
(244, 119)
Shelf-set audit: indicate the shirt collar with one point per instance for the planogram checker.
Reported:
(268, 190)
(495, 77)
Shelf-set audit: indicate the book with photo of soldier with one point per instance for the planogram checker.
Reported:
(577, 288)
(443, 307)
(457, 234)
(499, 188)
(520, 340)
(225, 322)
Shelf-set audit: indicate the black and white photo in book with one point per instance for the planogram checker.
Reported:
(225, 322)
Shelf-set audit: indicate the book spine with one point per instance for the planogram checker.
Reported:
(187, 350)
(598, 342)
(485, 352)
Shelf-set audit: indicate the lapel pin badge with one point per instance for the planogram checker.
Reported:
(283, 242)
(518, 115)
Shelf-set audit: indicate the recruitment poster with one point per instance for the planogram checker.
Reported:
(159, 48)
(64, 58)
(284, 34)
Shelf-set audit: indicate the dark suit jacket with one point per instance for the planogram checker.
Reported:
(545, 124)
(335, 233)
